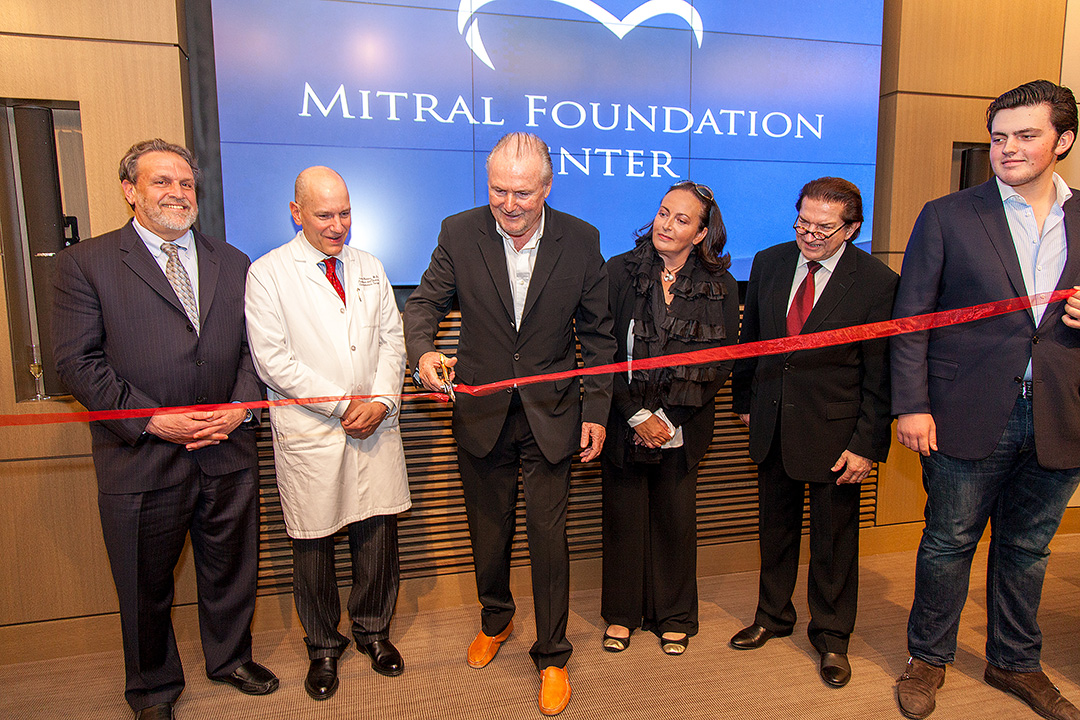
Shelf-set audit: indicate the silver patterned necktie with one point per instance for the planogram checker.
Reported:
(181, 283)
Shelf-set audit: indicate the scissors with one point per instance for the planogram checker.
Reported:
(446, 386)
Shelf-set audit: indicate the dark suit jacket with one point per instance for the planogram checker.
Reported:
(961, 253)
(122, 341)
(568, 293)
(696, 422)
(826, 400)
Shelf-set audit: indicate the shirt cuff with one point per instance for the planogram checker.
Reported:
(639, 417)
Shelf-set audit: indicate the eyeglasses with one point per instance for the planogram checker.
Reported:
(816, 234)
(704, 191)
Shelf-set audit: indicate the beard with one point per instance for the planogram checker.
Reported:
(171, 219)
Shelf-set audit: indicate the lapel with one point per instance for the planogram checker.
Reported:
(779, 290)
(1071, 272)
(546, 256)
(142, 263)
(208, 273)
(842, 278)
(491, 248)
(311, 272)
(987, 202)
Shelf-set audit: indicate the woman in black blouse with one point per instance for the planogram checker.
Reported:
(672, 293)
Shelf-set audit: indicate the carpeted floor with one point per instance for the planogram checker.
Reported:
(710, 681)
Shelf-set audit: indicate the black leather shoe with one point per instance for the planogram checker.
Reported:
(321, 680)
(251, 678)
(385, 658)
(835, 669)
(753, 637)
(161, 711)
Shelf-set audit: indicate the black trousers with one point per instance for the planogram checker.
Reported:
(373, 544)
(650, 545)
(491, 490)
(833, 587)
(144, 536)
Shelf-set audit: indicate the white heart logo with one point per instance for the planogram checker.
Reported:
(638, 15)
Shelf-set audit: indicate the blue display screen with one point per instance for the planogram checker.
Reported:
(405, 100)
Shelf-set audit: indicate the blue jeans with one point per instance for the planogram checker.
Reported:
(1024, 503)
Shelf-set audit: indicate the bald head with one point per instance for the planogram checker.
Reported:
(522, 147)
(321, 208)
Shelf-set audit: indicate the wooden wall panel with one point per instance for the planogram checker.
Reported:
(126, 92)
(152, 21)
(975, 47)
(53, 563)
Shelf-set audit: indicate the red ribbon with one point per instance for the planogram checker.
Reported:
(827, 338)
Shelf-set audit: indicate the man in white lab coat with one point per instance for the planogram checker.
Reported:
(323, 323)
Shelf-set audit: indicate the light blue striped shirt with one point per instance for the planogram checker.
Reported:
(1042, 257)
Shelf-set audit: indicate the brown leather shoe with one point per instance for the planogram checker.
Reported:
(483, 649)
(917, 688)
(1035, 689)
(554, 690)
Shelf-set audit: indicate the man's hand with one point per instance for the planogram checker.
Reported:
(653, 432)
(361, 418)
(429, 367)
(592, 440)
(745, 417)
(855, 468)
(918, 432)
(1072, 310)
(196, 430)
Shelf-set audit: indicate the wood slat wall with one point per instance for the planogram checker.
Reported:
(434, 535)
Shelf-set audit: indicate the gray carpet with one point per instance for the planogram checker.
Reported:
(709, 681)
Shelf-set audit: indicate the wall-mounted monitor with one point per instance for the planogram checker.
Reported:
(405, 98)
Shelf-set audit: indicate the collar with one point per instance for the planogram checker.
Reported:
(828, 263)
(153, 241)
(310, 254)
(535, 237)
(1009, 193)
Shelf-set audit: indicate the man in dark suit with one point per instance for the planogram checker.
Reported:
(818, 418)
(527, 279)
(149, 316)
(992, 405)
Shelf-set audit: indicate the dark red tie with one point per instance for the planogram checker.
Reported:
(331, 275)
(803, 302)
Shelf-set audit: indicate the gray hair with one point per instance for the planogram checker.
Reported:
(519, 144)
(129, 164)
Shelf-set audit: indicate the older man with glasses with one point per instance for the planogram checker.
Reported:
(818, 418)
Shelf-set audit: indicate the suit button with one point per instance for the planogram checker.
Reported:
(200, 399)
(1035, 340)
(191, 328)
(517, 356)
(510, 390)
(353, 348)
(200, 363)
(342, 311)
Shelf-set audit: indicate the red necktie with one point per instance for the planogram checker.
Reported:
(803, 302)
(331, 275)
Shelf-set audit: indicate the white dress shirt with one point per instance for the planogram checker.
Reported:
(519, 266)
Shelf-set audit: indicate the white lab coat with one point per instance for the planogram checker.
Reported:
(305, 344)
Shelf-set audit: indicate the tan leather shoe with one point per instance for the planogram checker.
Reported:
(554, 690)
(483, 649)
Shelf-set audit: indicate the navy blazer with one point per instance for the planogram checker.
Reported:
(568, 296)
(830, 399)
(123, 341)
(961, 253)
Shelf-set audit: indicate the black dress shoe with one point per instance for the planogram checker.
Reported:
(161, 711)
(321, 680)
(251, 678)
(835, 669)
(385, 658)
(753, 637)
